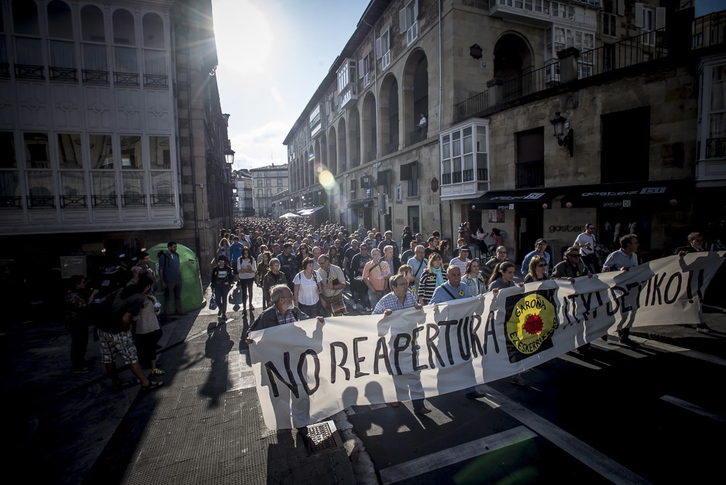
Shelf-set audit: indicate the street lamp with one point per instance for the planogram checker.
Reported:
(229, 156)
(559, 125)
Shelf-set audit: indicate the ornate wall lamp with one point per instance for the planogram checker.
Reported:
(563, 132)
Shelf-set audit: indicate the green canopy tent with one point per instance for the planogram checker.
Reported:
(192, 295)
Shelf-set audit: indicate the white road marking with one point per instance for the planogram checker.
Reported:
(681, 350)
(455, 454)
(589, 456)
(693, 408)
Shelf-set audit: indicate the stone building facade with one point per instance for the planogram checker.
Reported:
(112, 135)
(631, 80)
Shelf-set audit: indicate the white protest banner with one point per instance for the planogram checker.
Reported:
(308, 371)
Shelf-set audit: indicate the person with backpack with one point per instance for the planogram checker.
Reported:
(116, 315)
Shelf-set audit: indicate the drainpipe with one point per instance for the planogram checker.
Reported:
(197, 242)
(441, 94)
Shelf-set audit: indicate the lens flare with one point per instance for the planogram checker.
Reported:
(327, 180)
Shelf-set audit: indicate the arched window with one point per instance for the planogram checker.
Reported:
(93, 34)
(153, 31)
(25, 18)
(92, 24)
(28, 49)
(125, 58)
(60, 24)
(155, 71)
(61, 52)
(123, 28)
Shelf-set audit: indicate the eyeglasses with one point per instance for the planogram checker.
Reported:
(542, 265)
(591, 227)
(574, 255)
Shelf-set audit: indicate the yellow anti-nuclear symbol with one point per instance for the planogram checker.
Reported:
(532, 322)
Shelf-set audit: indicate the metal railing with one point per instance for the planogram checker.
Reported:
(643, 48)
(640, 49)
(709, 30)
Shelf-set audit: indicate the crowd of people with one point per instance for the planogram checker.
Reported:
(303, 271)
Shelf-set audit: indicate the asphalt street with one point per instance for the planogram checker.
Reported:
(649, 413)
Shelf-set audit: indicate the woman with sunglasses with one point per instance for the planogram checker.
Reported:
(537, 270)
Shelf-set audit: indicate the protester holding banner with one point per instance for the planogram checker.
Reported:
(452, 289)
(537, 270)
(695, 245)
(571, 267)
(623, 259)
(502, 277)
(282, 311)
(401, 298)
(432, 277)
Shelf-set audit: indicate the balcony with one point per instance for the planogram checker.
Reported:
(542, 13)
(608, 58)
(348, 95)
(530, 174)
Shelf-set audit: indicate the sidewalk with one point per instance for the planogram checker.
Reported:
(203, 426)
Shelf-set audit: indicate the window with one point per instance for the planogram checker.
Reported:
(347, 89)
(28, 48)
(125, 56)
(159, 154)
(268, 182)
(409, 174)
(9, 183)
(383, 48)
(280, 182)
(131, 152)
(407, 18)
(69, 151)
(101, 151)
(155, 73)
(713, 107)
(95, 63)
(530, 158)
(365, 69)
(464, 155)
(559, 38)
(649, 20)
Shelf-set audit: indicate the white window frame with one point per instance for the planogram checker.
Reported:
(383, 48)
(568, 37)
(408, 21)
(711, 108)
(454, 153)
(649, 20)
(365, 69)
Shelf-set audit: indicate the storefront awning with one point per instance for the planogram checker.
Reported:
(362, 203)
(309, 211)
(515, 199)
(625, 195)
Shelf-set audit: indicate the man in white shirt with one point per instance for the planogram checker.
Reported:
(587, 244)
(623, 259)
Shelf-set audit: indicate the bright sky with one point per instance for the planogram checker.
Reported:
(273, 54)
